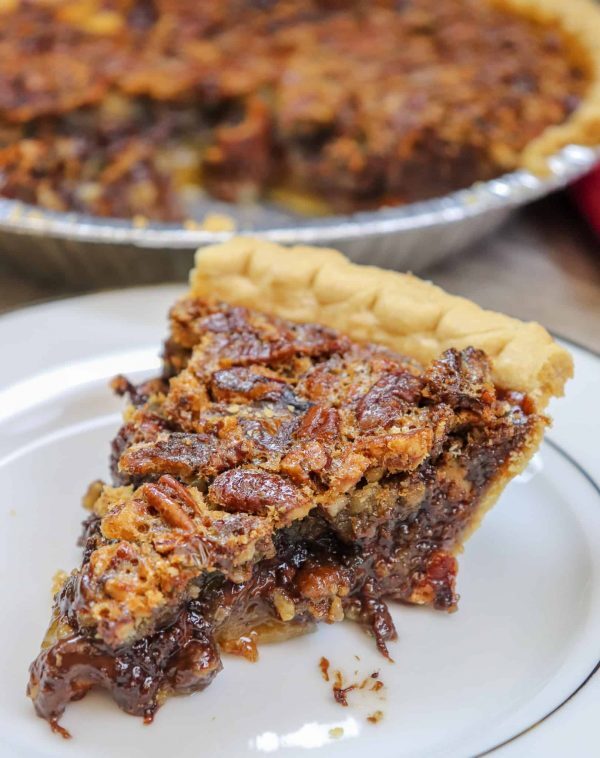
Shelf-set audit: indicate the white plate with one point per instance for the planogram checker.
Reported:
(524, 641)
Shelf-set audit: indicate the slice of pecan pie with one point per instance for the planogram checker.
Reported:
(323, 437)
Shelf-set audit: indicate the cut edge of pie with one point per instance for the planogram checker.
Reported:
(580, 19)
(266, 502)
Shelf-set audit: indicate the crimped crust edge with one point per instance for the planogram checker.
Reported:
(580, 19)
(400, 311)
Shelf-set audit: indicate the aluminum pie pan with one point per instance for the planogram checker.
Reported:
(92, 251)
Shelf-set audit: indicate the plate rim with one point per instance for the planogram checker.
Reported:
(596, 668)
(558, 448)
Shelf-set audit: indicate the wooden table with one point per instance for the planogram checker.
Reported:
(543, 265)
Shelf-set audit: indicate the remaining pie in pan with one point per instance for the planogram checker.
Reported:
(129, 107)
(323, 437)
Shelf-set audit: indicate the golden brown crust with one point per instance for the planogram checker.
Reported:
(580, 19)
(400, 311)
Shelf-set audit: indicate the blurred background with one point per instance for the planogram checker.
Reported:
(84, 83)
(543, 264)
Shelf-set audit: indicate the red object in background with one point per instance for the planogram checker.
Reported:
(586, 192)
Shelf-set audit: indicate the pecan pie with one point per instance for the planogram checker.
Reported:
(323, 437)
(129, 107)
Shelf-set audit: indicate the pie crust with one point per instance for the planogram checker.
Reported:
(581, 20)
(406, 314)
